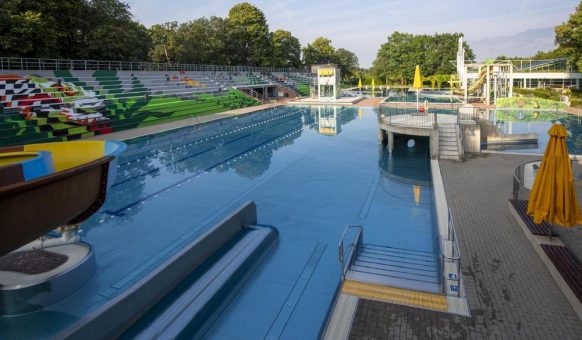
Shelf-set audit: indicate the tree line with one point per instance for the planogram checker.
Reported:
(106, 30)
(398, 56)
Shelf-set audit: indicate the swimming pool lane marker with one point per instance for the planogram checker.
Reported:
(370, 196)
(207, 138)
(119, 212)
(210, 138)
(278, 326)
(190, 156)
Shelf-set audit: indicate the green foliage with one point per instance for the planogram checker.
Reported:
(81, 29)
(285, 49)
(164, 42)
(320, 51)
(398, 57)
(248, 35)
(347, 62)
(569, 36)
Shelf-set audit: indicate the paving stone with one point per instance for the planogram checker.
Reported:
(511, 294)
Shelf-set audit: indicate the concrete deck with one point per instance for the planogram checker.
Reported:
(148, 130)
(345, 101)
(511, 293)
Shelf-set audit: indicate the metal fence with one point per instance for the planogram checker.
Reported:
(11, 63)
(404, 115)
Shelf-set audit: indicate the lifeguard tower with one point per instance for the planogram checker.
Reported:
(326, 83)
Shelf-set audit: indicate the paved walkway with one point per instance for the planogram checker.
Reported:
(148, 130)
(510, 292)
(374, 102)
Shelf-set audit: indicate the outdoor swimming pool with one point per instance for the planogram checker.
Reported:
(533, 123)
(311, 171)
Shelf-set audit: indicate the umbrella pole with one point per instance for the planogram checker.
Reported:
(416, 100)
(550, 233)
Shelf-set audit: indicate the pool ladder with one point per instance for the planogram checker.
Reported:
(352, 249)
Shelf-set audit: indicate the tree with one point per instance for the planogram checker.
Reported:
(347, 61)
(113, 35)
(320, 51)
(45, 29)
(248, 35)
(285, 50)
(398, 57)
(164, 42)
(96, 29)
(569, 37)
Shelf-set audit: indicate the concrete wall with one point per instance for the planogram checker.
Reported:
(472, 136)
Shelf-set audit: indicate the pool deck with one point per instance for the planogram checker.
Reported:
(510, 292)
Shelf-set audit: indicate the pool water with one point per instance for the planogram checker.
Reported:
(430, 96)
(311, 172)
(513, 122)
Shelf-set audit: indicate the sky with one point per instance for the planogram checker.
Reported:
(491, 27)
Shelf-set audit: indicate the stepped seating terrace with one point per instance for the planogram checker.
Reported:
(48, 106)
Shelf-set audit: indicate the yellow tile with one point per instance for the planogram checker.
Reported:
(394, 295)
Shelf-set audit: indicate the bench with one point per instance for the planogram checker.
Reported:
(569, 267)
(541, 229)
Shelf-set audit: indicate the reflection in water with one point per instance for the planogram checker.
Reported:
(530, 125)
(245, 145)
(406, 170)
(330, 119)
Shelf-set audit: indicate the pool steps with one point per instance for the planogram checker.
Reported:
(186, 293)
(396, 267)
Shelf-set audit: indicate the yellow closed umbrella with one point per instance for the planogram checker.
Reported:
(553, 196)
(417, 83)
(360, 83)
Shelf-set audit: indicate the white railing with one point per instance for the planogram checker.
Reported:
(13, 63)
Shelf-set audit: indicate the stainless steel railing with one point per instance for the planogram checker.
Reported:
(454, 258)
(14, 63)
(352, 249)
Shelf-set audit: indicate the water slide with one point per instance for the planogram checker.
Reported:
(49, 185)
(480, 81)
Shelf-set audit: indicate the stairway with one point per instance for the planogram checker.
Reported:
(448, 142)
(417, 270)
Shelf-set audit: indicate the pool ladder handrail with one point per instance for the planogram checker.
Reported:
(455, 254)
(354, 246)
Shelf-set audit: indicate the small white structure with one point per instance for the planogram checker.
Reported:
(327, 81)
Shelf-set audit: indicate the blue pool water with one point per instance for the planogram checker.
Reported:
(430, 96)
(311, 171)
(512, 122)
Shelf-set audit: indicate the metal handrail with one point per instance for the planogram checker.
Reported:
(518, 181)
(354, 246)
(455, 256)
(16, 63)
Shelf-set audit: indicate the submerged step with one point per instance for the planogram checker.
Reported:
(427, 272)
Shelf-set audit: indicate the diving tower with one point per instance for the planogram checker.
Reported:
(490, 79)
